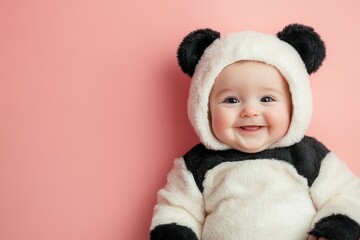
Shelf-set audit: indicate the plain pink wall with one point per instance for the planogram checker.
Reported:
(93, 104)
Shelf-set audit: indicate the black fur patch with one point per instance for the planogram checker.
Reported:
(307, 43)
(305, 156)
(172, 232)
(337, 227)
(192, 48)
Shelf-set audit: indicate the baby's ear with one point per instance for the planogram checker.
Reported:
(307, 43)
(192, 48)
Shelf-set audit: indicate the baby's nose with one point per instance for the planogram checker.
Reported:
(249, 111)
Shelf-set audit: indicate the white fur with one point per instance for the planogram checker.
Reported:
(257, 199)
(336, 190)
(255, 46)
(180, 201)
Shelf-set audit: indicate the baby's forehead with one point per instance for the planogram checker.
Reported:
(243, 76)
(247, 70)
(253, 63)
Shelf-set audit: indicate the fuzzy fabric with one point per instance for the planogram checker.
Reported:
(295, 51)
(282, 194)
(172, 232)
(192, 48)
(199, 160)
(180, 201)
(337, 227)
(294, 188)
(307, 43)
(257, 47)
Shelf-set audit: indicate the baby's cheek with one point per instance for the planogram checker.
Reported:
(219, 122)
(280, 124)
(216, 124)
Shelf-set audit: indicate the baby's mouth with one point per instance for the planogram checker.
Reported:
(251, 128)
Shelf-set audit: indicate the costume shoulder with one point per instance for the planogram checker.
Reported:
(305, 156)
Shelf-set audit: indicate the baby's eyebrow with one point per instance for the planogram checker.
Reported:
(224, 91)
(271, 89)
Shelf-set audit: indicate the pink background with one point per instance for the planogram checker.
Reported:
(93, 104)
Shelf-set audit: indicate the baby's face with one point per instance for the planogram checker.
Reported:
(250, 106)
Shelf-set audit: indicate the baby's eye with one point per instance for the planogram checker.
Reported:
(267, 99)
(231, 100)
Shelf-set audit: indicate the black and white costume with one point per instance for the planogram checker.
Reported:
(294, 188)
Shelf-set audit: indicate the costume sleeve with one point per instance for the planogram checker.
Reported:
(179, 213)
(336, 195)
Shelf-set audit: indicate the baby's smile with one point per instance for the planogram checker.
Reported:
(251, 128)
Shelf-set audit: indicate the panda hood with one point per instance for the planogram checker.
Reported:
(296, 52)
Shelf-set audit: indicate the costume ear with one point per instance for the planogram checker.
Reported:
(192, 48)
(307, 43)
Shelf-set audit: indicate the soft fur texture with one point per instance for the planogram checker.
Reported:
(295, 187)
(257, 47)
(337, 227)
(180, 201)
(296, 51)
(336, 190)
(200, 160)
(260, 198)
(307, 43)
(172, 231)
(192, 48)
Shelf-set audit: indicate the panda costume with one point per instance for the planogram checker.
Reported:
(294, 188)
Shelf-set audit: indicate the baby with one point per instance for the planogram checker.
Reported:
(255, 174)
